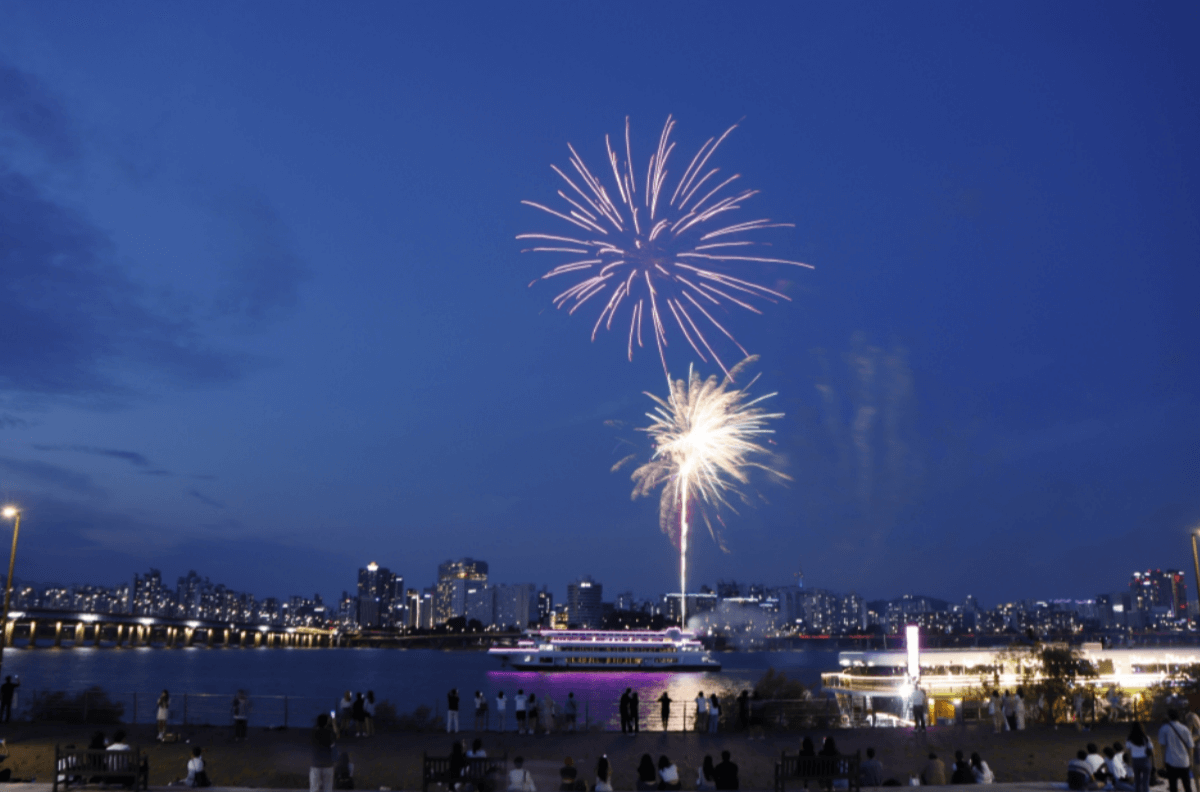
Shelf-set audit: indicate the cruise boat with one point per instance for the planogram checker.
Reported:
(607, 650)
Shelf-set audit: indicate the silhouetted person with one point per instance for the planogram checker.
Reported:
(871, 770)
(623, 708)
(634, 714)
(665, 701)
(6, 698)
(320, 768)
(725, 774)
(647, 774)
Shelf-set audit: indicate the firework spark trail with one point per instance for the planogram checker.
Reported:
(705, 434)
(648, 251)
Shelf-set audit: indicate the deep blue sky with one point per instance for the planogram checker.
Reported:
(263, 313)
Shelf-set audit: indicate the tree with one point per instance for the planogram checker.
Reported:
(1062, 669)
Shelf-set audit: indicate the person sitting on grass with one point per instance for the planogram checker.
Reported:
(704, 776)
(197, 770)
(871, 771)
(962, 772)
(725, 774)
(647, 775)
(519, 779)
(1079, 773)
(567, 775)
(603, 775)
(934, 773)
(1116, 770)
(668, 775)
(1095, 761)
(983, 773)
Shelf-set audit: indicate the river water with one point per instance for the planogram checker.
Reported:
(291, 686)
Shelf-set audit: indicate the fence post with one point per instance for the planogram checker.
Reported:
(285, 712)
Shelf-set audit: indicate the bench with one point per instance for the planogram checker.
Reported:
(85, 766)
(436, 770)
(827, 769)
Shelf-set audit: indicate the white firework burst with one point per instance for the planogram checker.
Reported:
(664, 254)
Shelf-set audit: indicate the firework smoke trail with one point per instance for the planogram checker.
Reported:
(661, 253)
(706, 434)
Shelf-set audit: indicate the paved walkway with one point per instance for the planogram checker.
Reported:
(547, 782)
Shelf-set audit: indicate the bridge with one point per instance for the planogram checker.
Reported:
(67, 629)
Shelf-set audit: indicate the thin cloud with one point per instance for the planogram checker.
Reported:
(31, 115)
(8, 421)
(132, 457)
(45, 473)
(72, 317)
(265, 277)
(206, 500)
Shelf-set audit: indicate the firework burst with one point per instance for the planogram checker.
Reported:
(664, 254)
(706, 440)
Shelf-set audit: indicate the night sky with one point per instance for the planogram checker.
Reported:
(264, 313)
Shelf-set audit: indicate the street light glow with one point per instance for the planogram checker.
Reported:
(10, 512)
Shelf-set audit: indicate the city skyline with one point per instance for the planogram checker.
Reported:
(265, 310)
(1155, 599)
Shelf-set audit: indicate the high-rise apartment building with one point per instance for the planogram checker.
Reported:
(584, 603)
(149, 597)
(1155, 588)
(481, 604)
(516, 606)
(455, 578)
(545, 607)
(376, 587)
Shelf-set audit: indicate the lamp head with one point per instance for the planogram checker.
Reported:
(10, 512)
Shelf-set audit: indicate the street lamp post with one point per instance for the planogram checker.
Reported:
(14, 514)
(1196, 561)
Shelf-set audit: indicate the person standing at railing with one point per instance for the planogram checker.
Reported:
(369, 709)
(163, 713)
(359, 712)
(481, 716)
(241, 715)
(345, 713)
(714, 714)
(452, 711)
(665, 701)
(501, 709)
(701, 712)
(570, 712)
(519, 710)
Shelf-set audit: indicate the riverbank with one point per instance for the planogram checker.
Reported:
(279, 758)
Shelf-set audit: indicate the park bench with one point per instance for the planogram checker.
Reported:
(817, 769)
(484, 773)
(79, 766)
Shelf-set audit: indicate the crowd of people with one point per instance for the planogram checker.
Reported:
(356, 715)
(531, 715)
(1129, 766)
(534, 715)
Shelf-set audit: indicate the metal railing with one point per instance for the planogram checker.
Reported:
(96, 706)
